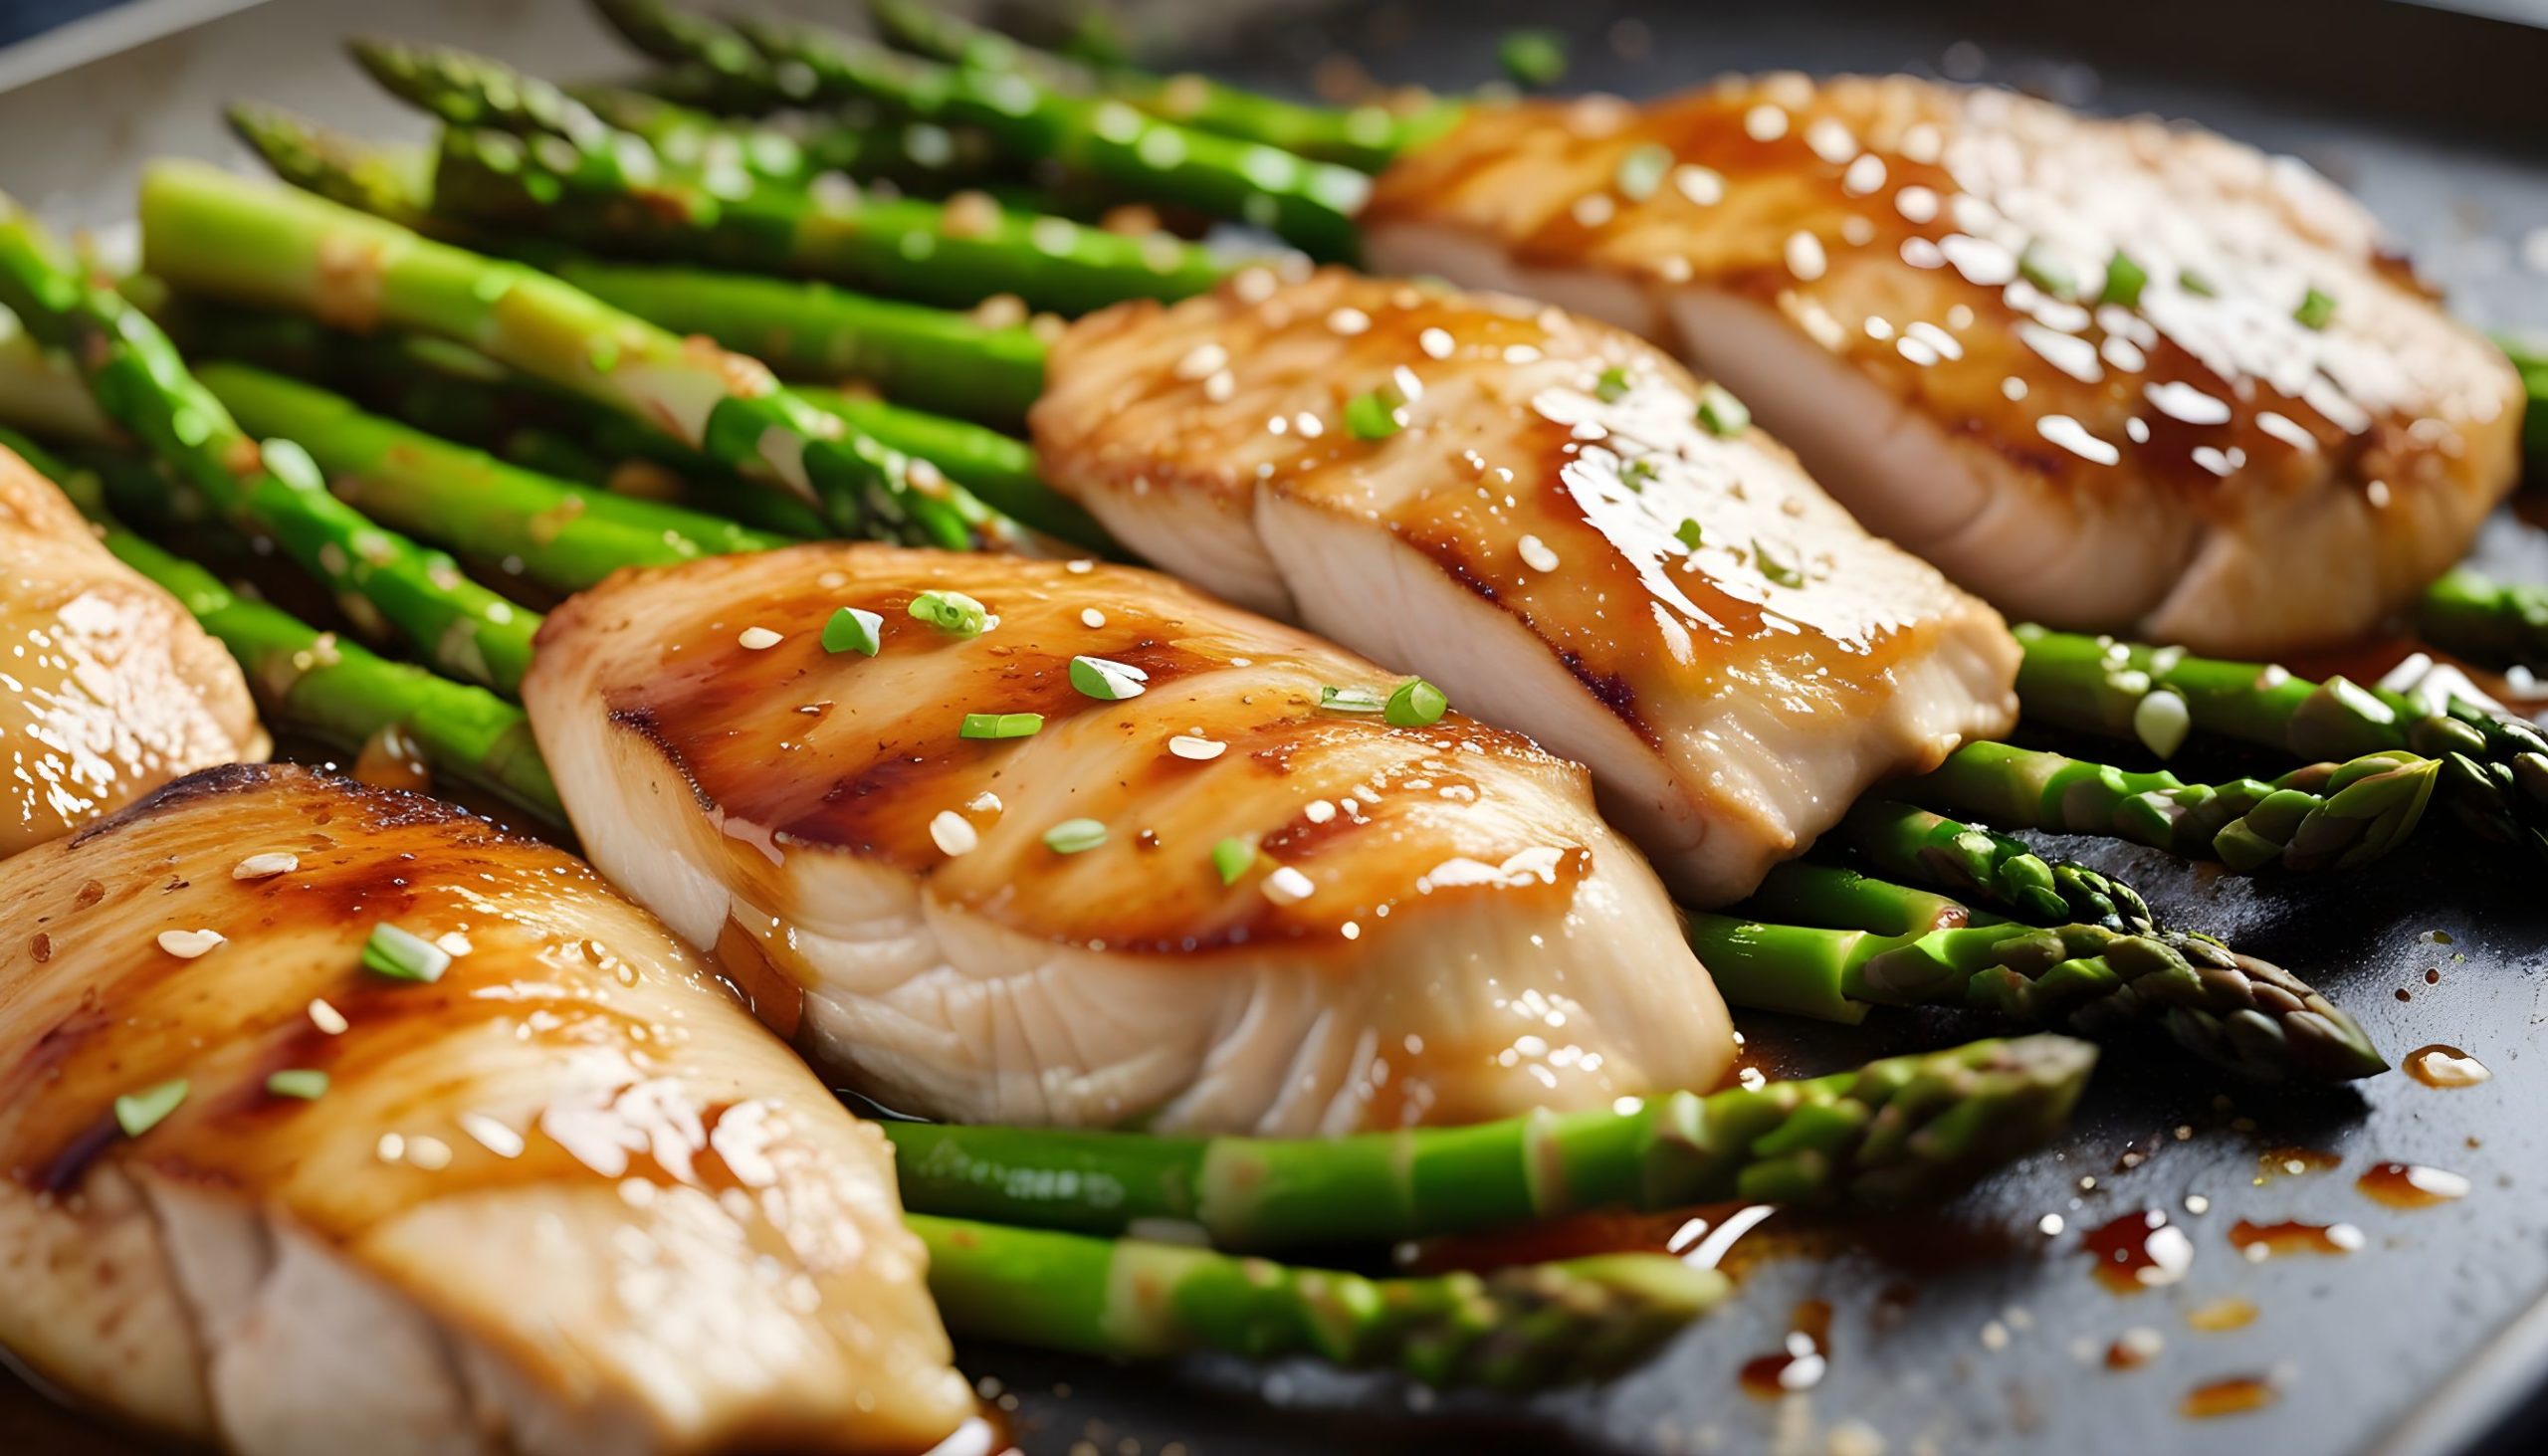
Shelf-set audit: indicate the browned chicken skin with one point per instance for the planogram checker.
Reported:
(1410, 923)
(1536, 513)
(2112, 375)
(567, 1197)
(108, 689)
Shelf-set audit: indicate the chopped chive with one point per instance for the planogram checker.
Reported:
(1533, 57)
(2196, 283)
(1350, 700)
(952, 612)
(2124, 281)
(1689, 534)
(1231, 858)
(1106, 681)
(2315, 309)
(1641, 171)
(1002, 726)
(2038, 266)
(1416, 704)
(305, 1083)
(1722, 413)
(1071, 836)
(403, 955)
(851, 630)
(1776, 567)
(139, 1111)
(1637, 473)
(1611, 387)
(1373, 415)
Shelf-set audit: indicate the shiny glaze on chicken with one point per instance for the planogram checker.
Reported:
(1410, 923)
(567, 1197)
(2113, 375)
(1534, 511)
(108, 689)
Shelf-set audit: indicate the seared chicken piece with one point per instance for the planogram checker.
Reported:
(108, 689)
(567, 1197)
(2112, 375)
(1550, 520)
(1196, 900)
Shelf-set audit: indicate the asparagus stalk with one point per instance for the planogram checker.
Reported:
(2494, 767)
(999, 468)
(470, 90)
(1905, 1127)
(390, 182)
(1515, 1329)
(1898, 948)
(1366, 139)
(332, 690)
(208, 233)
(1991, 868)
(2322, 816)
(2474, 615)
(1310, 204)
(563, 537)
(141, 383)
(717, 64)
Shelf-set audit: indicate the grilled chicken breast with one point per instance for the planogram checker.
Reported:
(2112, 375)
(567, 1197)
(1210, 905)
(108, 689)
(1550, 520)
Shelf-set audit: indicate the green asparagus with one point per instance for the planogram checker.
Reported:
(2474, 615)
(332, 690)
(209, 233)
(390, 182)
(2000, 872)
(721, 67)
(470, 90)
(921, 157)
(2246, 1015)
(1366, 139)
(2322, 816)
(2494, 765)
(41, 391)
(1515, 1329)
(1906, 1128)
(142, 384)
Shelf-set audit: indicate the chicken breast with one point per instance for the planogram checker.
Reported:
(1550, 520)
(2112, 375)
(567, 1197)
(108, 688)
(1198, 901)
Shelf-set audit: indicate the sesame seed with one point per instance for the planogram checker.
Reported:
(953, 833)
(755, 639)
(430, 1153)
(1319, 811)
(1536, 555)
(327, 1018)
(265, 866)
(492, 1135)
(1200, 750)
(187, 944)
(1288, 886)
(1091, 617)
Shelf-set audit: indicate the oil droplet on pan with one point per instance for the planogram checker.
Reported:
(2263, 1241)
(2411, 1185)
(2235, 1395)
(1801, 1361)
(2139, 1251)
(2439, 1065)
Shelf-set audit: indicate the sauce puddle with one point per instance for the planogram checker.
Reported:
(2139, 1251)
(2411, 1185)
(2235, 1395)
(1802, 1359)
(2258, 1242)
(2442, 1065)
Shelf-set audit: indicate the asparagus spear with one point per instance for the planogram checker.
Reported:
(330, 689)
(2322, 816)
(1905, 1127)
(2494, 767)
(621, 199)
(1515, 1329)
(41, 391)
(1898, 948)
(392, 182)
(207, 232)
(563, 537)
(471, 90)
(1366, 139)
(717, 63)
(919, 156)
(2474, 614)
(2000, 872)
(142, 384)
(1310, 204)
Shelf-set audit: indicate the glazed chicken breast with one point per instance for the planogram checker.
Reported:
(2112, 375)
(1552, 521)
(1038, 842)
(271, 1183)
(108, 688)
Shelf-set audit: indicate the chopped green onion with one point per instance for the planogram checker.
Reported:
(305, 1083)
(851, 630)
(1689, 534)
(1350, 700)
(1231, 858)
(139, 1111)
(2038, 266)
(1776, 567)
(1106, 681)
(1002, 726)
(1416, 704)
(952, 612)
(1641, 171)
(1611, 387)
(2124, 281)
(2315, 309)
(2196, 283)
(403, 955)
(1637, 473)
(1071, 836)
(1533, 57)
(1722, 413)
(1373, 416)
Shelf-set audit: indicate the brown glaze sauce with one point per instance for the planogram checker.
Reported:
(2443, 1065)
(2232, 1395)
(392, 758)
(2257, 1242)
(2137, 1251)
(2411, 1185)
(1799, 1362)
(2231, 1312)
